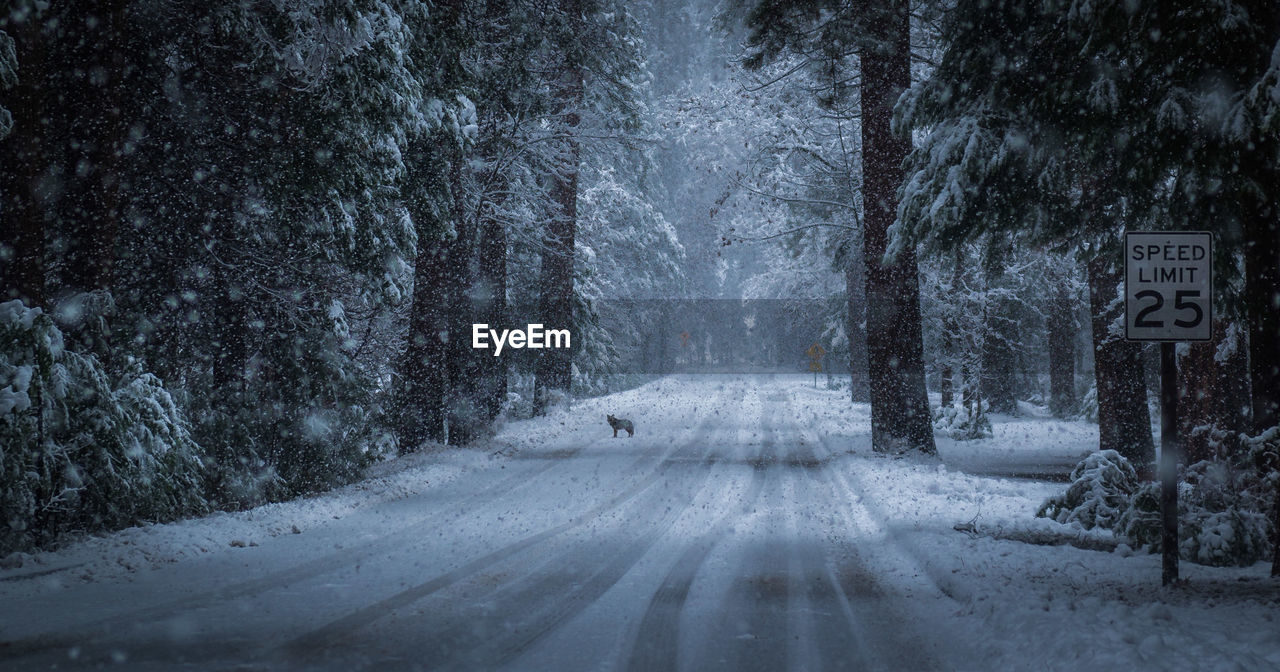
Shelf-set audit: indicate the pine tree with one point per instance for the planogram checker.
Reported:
(1060, 323)
(264, 215)
(880, 34)
(1000, 329)
(26, 32)
(506, 61)
(555, 301)
(435, 152)
(1155, 119)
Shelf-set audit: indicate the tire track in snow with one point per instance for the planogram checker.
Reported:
(517, 614)
(328, 637)
(884, 636)
(81, 637)
(821, 630)
(331, 562)
(763, 597)
(800, 607)
(656, 646)
(824, 633)
(746, 636)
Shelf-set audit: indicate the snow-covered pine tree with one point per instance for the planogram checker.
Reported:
(555, 295)
(8, 79)
(268, 151)
(594, 84)
(91, 438)
(879, 33)
(1000, 326)
(433, 156)
(1060, 309)
(80, 447)
(508, 56)
(1003, 151)
(24, 92)
(1169, 105)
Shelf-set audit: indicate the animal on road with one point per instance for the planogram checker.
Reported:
(621, 423)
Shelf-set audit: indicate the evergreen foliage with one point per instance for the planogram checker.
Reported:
(81, 448)
(249, 188)
(1101, 486)
(1223, 505)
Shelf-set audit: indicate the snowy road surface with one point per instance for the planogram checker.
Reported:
(746, 526)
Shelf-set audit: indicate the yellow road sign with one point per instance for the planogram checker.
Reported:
(815, 351)
(815, 366)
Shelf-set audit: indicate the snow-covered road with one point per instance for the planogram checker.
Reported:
(746, 526)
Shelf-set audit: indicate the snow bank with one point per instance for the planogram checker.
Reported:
(1025, 606)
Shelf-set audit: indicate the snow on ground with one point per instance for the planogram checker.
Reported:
(744, 507)
(117, 555)
(1049, 607)
(1032, 443)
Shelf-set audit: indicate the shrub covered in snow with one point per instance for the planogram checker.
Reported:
(1221, 538)
(1140, 521)
(79, 451)
(1100, 490)
(1221, 514)
(1222, 505)
(962, 423)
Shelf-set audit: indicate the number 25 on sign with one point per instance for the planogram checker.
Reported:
(1168, 286)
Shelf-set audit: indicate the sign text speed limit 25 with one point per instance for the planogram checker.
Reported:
(1168, 286)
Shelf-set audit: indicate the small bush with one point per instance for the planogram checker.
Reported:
(1222, 505)
(1101, 487)
(962, 424)
(1223, 538)
(1140, 522)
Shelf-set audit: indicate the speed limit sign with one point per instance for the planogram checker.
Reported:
(1168, 286)
(1168, 297)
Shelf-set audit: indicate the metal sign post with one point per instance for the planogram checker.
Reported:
(1168, 298)
(815, 352)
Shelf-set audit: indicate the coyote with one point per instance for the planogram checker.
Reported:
(620, 423)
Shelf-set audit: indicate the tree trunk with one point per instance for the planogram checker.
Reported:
(95, 137)
(556, 298)
(951, 339)
(1262, 306)
(1124, 421)
(946, 388)
(424, 372)
(895, 352)
(1262, 299)
(492, 296)
(1261, 242)
(969, 396)
(1061, 326)
(466, 420)
(555, 372)
(854, 284)
(25, 180)
(999, 332)
(1210, 394)
(431, 188)
(231, 348)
